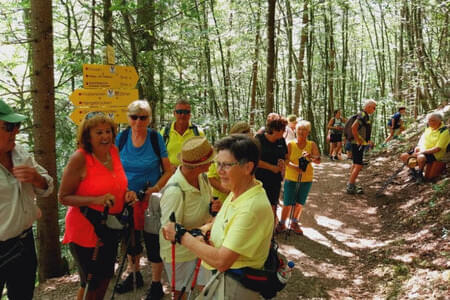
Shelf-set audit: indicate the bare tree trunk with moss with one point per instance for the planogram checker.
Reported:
(43, 95)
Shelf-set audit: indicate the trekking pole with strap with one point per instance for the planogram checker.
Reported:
(122, 263)
(95, 254)
(127, 218)
(409, 161)
(172, 219)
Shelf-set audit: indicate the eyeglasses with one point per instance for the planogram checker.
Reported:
(183, 111)
(10, 127)
(225, 165)
(135, 117)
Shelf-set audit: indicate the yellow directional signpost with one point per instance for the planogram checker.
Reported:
(107, 89)
(103, 97)
(118, 114)
(109, 76)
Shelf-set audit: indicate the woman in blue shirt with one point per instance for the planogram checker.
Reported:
(147, 170)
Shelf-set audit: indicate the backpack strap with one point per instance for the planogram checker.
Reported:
(155, 143)
(442, 129)
(166, 133)
(194, 129)
(123, 138)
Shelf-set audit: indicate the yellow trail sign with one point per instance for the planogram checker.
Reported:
(103, 97)
(118, 114)
(109, 76)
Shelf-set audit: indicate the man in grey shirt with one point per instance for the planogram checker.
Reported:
(21, 179)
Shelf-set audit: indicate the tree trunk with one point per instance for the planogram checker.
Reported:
(301, 56)
(270, 57)
(42, 81)
(255, 68)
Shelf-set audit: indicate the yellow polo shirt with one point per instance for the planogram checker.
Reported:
(176, 141)
(296, 153)
(434, 138)
(245, 226)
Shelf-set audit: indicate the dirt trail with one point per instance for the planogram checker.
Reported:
(342, 254)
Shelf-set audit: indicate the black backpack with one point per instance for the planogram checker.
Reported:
(348, 127)
(166, 133)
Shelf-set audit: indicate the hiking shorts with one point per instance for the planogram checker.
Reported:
(357, 154)
(336, 137)
(102, 268)
(272, 191)
(430, 158)
(292, 195)
(152, 246)
(183, 272)
(137, 248)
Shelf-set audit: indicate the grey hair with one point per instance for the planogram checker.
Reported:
(435, 115)
(138, 106)
(367, 102)
(303, 124)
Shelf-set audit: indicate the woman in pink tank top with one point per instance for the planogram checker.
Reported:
(92, 180)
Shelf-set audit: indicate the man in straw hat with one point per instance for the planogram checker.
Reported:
(21, 180)
(188, 195)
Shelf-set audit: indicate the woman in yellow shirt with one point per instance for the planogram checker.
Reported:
(298, 179)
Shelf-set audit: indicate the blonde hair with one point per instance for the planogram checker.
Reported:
(84, 135)
(303, 124)
(138, 106)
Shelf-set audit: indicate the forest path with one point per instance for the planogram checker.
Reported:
(332, 258)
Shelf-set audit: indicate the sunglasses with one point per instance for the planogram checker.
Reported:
(183, 111)
(10, 127)
(92, 114)
(142, 118)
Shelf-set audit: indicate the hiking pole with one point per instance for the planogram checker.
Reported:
(291, 214)
(188, 279)
(95, 254)
(411, 161)
(172, 219)
(125, 216)
(194, 281)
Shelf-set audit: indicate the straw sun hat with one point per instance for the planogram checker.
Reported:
(195, 152)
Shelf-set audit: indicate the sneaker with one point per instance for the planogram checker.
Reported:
(280, 228)
(295, 228)
(331, 157)
(155, 292)
(359, 190)
(351, 189)
(419, 178)
(127, 285)
(336, 157)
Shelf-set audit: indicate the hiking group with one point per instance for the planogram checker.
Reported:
(205, 214)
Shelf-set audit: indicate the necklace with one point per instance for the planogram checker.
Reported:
(104, 162)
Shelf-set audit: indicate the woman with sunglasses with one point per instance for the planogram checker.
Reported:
(147, 170)
(21, 179)
(93, 180)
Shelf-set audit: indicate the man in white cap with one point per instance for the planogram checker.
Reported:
(187, 195)
(21, 179)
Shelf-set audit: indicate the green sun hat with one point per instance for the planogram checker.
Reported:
(8, 115)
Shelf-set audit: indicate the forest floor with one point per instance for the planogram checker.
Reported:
(354, 246)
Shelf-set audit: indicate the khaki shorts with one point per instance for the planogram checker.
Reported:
(184, 274)
(223, 287)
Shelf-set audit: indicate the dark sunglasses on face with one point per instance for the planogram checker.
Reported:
(9, 127)
(142, 118)
(182, 111)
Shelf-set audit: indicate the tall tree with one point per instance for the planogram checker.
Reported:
(270, 57)
(42, 82)
(298, 96)
(254, 83)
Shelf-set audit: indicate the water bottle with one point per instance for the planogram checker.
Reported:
(284, 272)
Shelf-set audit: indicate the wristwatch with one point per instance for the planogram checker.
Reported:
(179, 232)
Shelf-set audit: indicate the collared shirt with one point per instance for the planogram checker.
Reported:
(18, 209)
(212, 173)
(191, 211)
(291, 173)
(435, 138)
(245, 226)
(176, 141)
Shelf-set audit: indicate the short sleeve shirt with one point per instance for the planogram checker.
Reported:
(436, 138)
(245, 226)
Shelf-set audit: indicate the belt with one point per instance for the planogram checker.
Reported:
(21, 236)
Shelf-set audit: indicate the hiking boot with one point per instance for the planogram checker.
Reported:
(280, 228)
(295, 228)
(419, 178)
(353, 189)
(359, 190)
(155, 292)
(336, 157)
(127, 285)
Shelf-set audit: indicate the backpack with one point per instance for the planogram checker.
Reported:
(441, 130)
(153, 139)
(264, 281)
(152, 215)
(166, 133)
(348, 127)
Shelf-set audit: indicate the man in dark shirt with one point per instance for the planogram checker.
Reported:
(396, 124)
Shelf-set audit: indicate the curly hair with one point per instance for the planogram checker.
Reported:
(275, 123)
(84, 136)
